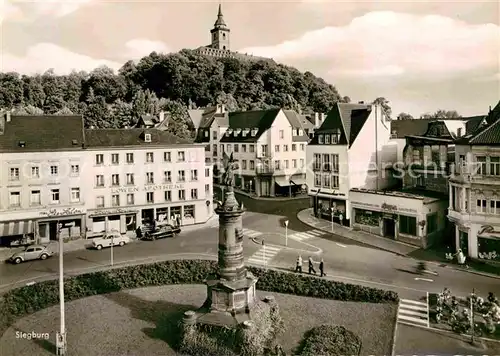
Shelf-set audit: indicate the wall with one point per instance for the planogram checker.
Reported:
(340, 150)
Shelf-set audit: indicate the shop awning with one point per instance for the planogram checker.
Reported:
(282, 181)
(17, 227)
(298, 181)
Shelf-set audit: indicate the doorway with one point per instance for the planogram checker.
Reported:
(463, 242)
(389, 228)
(147, 216)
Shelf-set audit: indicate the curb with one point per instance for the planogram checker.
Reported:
(237, 191)
(255, 240)
(395, 332)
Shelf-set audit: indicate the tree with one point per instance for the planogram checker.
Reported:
(64, 112)
(52, 87)
(178, 118)
(121, 112)
(346, 99)
(441, 114)
(404, 116)
(385, 105)
(228, 100)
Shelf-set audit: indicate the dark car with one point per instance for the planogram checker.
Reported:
(162, 232)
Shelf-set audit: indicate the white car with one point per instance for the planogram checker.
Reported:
(109, 238)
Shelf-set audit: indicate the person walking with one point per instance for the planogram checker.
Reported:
(298, 266)
(311, 266)
(322, 268)
(461, 259)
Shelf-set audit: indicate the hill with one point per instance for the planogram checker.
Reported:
(169, 82)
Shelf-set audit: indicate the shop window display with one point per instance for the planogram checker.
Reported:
(366, 217)
(488, 248)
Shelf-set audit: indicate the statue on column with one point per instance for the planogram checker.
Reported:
(229, 166)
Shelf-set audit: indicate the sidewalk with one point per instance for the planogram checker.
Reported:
(400, 248)
(255, 197)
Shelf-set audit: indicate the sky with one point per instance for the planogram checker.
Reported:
(420, 55)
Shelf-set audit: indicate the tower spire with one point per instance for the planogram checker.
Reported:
(220, 18)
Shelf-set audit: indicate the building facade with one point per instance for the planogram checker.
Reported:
(211, 124)
(270, 148)
(474, 191)
(41, 182)
(142, 175)
(350, 149)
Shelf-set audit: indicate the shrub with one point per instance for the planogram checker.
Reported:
(29, 299)
(332, 340)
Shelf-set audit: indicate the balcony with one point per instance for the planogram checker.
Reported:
(264, 170)
(471, 173)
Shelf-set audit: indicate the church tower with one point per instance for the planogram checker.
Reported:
(220, 33)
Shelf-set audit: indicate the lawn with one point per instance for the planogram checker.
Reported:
(143, 321)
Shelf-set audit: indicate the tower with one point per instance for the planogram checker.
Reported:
(220, 33)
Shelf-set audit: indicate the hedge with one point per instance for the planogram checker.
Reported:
(333, 340)
(29, 299)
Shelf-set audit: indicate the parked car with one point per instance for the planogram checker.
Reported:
(113, 237)
(32, 252)
(161, 232)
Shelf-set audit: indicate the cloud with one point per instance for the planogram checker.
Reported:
(385, 43)
(44, 56)
(141, 47)
(21, 10)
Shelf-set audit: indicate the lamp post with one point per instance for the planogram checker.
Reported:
(286, 233)
(61, 335)
(250, 186)
(332, 209)
(472, 316)
(264, 253)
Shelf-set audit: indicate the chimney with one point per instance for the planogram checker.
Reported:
(316, 120)
(489, 112)
(323, 117)
(161, 116)
(221, 109)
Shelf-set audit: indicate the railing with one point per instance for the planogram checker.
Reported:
(264, 170)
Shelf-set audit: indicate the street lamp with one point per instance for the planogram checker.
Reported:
(286, 233)
(472, 315)
(250, 185)
(61, 336)
(264, 253)
(332, 210)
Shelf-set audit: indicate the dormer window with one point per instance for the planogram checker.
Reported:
(22, 143)
(336, 136)
(147, 137)
(206, 133)
(301, 132)
(327, 139)
(320, 139)
(459, 132)
(254, 132)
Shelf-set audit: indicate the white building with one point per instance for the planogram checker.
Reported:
(141, 175)
(351, 149)
(270, 147)
(474, 203)
(41, 180)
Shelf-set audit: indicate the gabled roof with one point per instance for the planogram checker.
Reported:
(474, 122)
(259, 119)
(42, 133)
(196, 115)
(346, 117)
(130, 137)
(494, 114)
(208, 115)
(487, 134)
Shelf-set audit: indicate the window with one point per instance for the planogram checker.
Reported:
(408, 225)
(14, 174)
(54, 171)
(54, 194)
(35, 172)
(481, 206)
(317, 162)
(327, 139)
(481, 165)
(326, 163)
(336, 136)
(207, 172)
(75, 195)
(214, 135)
(432, 223)
(435, 155)
(149, 157)
(207, 148)
(181, 157)
(494, 206)
(495, 166)
(294, 163)
(244, 164)
(130, 178)
(335, 163)
(15, 199)
(251, 148)
(222, 148)
(320, 139)
(276, 148)
(99, 159)
(228, 148)
(420, 181)
(252, 164)
(294, 147)
(302, 147)
(264, 150)
(194, 174)
(207, 188)
(236, 148)
(99, 202)
(182, 194)
(181, 177)
(115, 158)
(326, 180)
(277, 165)
(35, 197)
(335, 181)
(130, 199)
(115, 200)
(194, 193)
(150, 179)
(206, 133)
(115, 179)
(75, 170)
(282, 134)
(416, 156)
(286, 164)
(285, 148)
(130, 158)
(167, 177)
(317, 180)
(189, 211)
(150, 197)
(99, 180)
(168, 195)
(214, 150)
(243, 148)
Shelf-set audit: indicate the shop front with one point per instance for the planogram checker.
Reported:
(330, 206)
(406, 217)
(119, 219)
(478, 240)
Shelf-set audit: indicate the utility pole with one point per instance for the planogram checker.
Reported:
(332, 210)
(286, 233)
(264, 254)
(61, 336)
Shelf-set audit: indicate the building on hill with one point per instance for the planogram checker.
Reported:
(148, 121)
(351, 149)
(210, 123)
(220, 46)
(474, 190)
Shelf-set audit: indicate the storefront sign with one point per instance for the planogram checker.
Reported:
(386, 206)
(488, 231)
(116, 211)
(150, 188)
(124, 190)
(365, 204)
(64, 212)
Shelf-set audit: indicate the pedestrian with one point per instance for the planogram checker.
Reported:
(138, 232)
(461, 259)
(322, 268)
(298, 266)
(311, 266)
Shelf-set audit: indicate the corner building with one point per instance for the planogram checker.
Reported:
(141, 175)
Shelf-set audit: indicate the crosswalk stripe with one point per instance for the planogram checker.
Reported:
(416, 302)
(264, 255)
(317, 232)
(416, 307)
(413, 320)
(413, 312)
